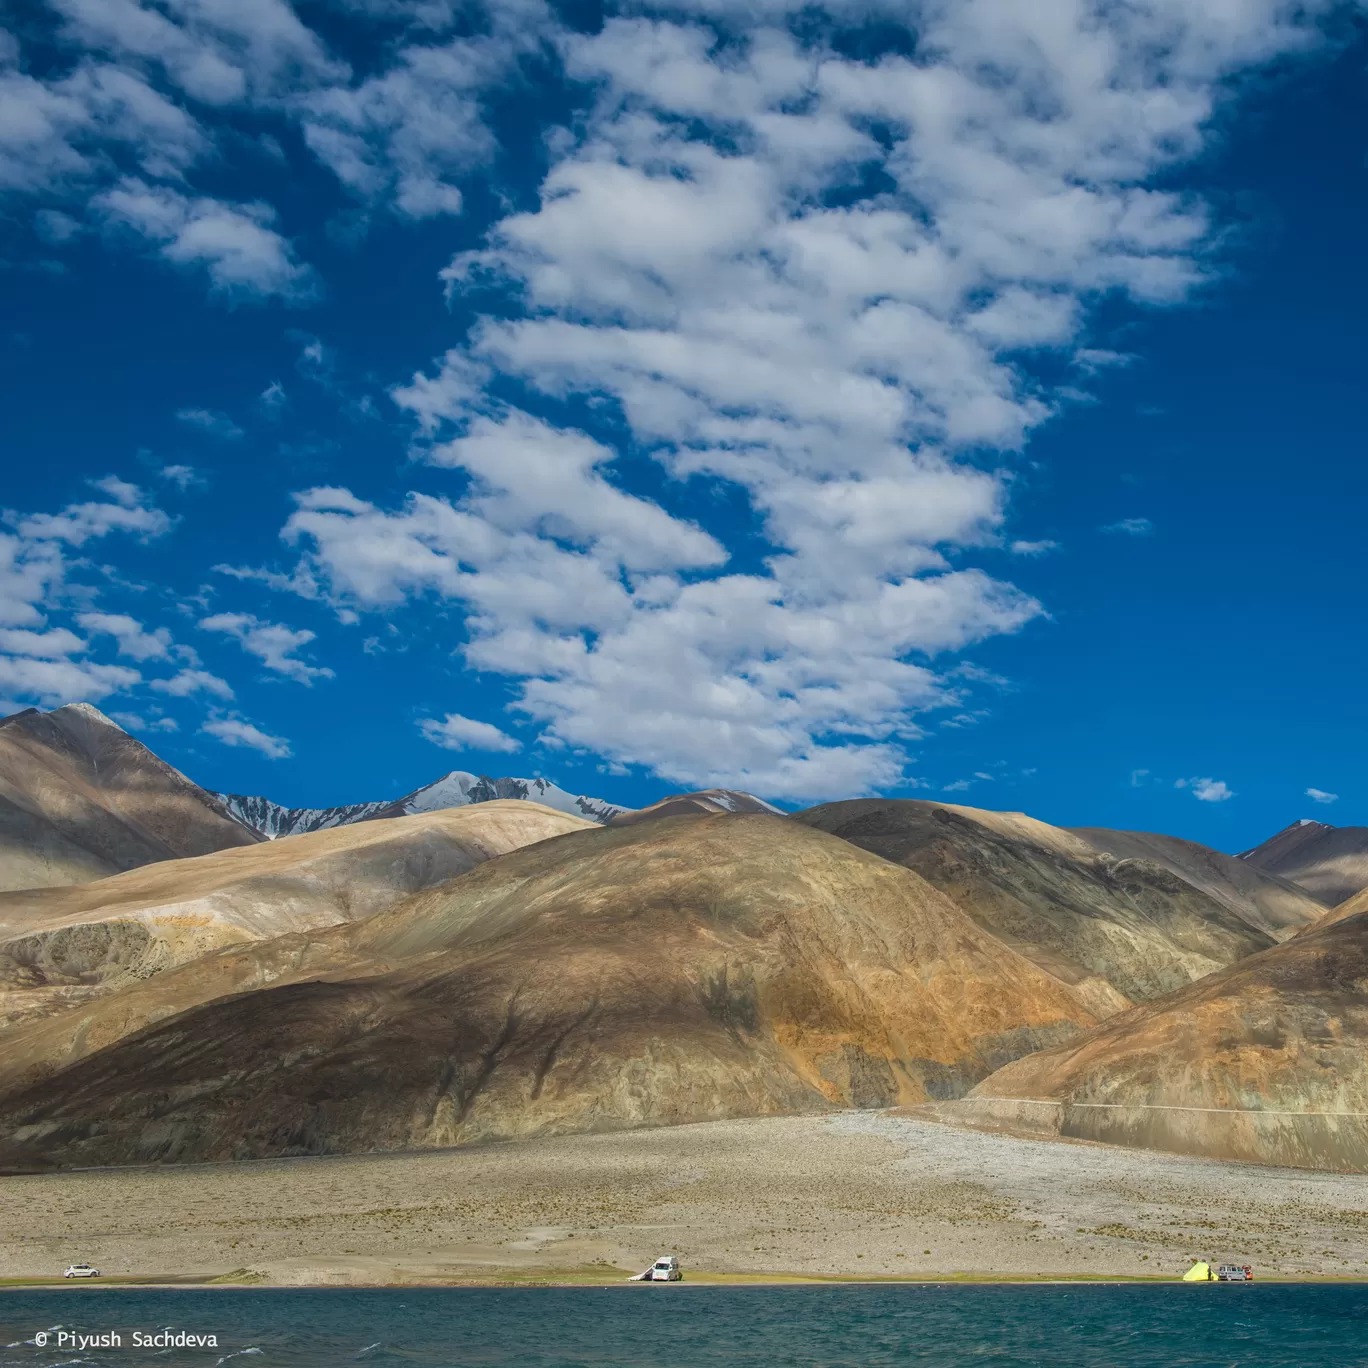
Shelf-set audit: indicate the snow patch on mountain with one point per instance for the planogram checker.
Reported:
(275, 819)
(459, 788)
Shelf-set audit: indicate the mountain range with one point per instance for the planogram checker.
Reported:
(456, 789)
(200, 976)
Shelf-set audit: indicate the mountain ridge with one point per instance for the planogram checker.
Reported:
(1329, 862)
(81, 799)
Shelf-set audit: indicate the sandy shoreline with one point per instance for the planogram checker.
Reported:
(858, 1196)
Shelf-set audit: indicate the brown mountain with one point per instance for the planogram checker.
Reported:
(59, 946)
(1266, 901)
(1348, 908)
(689, 804)
(1330, 863)
(1117, 931)
(1266, 1061)
(682, 969)
(80, 799)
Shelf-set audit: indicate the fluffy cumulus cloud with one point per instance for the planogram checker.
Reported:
(42, 661)
(133, 640)
(1321, 796)
(142, 98)
(805, 281)
(454, 732)
(236, 245)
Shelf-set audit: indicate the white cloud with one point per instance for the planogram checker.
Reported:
(405, 136)
(1207, 790)
(57, 136)
(830, 363)
(29, 571)
(182, 476)
(1139, 777)
(79, 523)
(272, 399)
(33, 565)
(966, 719)
(455, 732)
(701, 270)
(218, 425)
(134, 641)
(1131, 527)
(216, 53)
(534, 478)
(55, 227)
(1320, 796)
(271, 642)
(235, 244)
(188, 682)
(235, 731)
(136, 722)
(1091, 360)
(56, 682)
(1033, 548)
(55, 644)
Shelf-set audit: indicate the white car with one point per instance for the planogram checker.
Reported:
(81, 1271)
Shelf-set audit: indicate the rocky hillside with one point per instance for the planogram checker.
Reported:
(60, 947)
(80, 799)
(684, 969)
(1266, 901)
(1266, 1061)
(1330, 863)
(1116, 930)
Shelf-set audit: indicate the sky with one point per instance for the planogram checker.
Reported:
(955, 399)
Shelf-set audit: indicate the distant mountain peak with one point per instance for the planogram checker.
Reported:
(1330, 862)
(454, 789)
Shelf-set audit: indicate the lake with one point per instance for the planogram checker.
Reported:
(664, 1326)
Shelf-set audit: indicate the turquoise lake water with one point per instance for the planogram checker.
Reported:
(1095, 1326)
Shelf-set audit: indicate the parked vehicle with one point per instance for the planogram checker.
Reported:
(665, 1269)
(1205, 1270)
(81, 1270)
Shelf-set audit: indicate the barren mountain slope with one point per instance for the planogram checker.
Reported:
(1348, 908)
(1269, 903)
(690, 968)
(686, 804)
(1330, 863)
(1266, 1061)
(80, 798)
(64, 945)
(1117, 931)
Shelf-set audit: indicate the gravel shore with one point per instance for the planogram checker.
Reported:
(872, 1194)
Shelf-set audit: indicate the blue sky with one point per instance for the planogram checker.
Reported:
(944, 400)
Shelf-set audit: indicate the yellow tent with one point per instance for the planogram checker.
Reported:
(1199, 1272)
